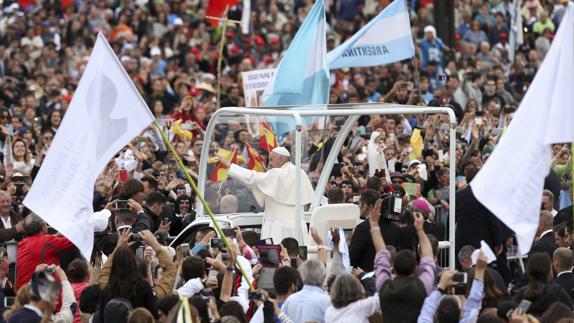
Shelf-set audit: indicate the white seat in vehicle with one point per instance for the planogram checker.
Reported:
(346, 216)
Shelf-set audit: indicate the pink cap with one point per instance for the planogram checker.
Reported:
(422, 204)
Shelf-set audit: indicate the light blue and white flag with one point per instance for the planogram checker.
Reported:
(387, 38)
(302, 77)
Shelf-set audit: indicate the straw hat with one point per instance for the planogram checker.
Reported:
(206, 87)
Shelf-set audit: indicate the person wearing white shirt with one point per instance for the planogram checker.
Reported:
(349, 303)
(548, 202)
(11, 226)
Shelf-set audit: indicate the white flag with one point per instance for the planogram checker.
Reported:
(510, 184)
(105, 114)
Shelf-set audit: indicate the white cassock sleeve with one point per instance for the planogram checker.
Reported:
(276, 183)
(247, 177)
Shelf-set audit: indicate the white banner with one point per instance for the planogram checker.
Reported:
(511, 182)
(105, 114)
(254, 84)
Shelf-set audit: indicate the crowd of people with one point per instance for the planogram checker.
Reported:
(389, 269)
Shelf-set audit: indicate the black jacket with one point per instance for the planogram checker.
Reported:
(362, 251)
(475, 222)
(566, 281)
(544, 244)
(563, 215)
(25, 315)
(552, 293)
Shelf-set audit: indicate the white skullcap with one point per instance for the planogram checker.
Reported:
(281, 151)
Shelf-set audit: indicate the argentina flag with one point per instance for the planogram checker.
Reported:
(302, 77)
(385, 39)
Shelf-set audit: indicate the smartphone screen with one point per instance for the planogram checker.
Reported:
(216, 243)
(460, 278)
(122, 205)
(140, 252)
(524, 305)
(303, 252)
(270, 255)
(185, 251)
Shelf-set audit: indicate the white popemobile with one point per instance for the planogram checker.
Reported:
(299, 121)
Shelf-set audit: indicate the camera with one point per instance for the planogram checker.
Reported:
(216, 243)
(19, 189)
(460, 278)
(122, 205)
(135, 237)
(50, 269)
(443, 78)
(392, 206)
(256, 296)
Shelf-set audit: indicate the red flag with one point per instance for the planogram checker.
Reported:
(216, 8)
(255, 160)
(267, 138)
(219, 173)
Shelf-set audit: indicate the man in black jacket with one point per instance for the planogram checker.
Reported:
(545, 234)
(362, 251)
(475, 222)
(563, 262)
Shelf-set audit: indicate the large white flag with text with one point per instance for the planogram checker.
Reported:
(511, 182)
(105, 114)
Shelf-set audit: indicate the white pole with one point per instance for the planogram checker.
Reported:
(452, 192)
(299, 210)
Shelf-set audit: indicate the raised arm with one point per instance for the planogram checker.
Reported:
(382, 264)
(425, 245)
(427, 265)
(374, 218)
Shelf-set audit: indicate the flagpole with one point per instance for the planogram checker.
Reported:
(220, 57)
(417, 77)
(201, 199)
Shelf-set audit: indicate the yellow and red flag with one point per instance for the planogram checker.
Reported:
(219, 173)
(255, 160)
(267, 138)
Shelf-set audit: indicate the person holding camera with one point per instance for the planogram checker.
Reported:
(402, 297)
(165, 284)
(362, 251)
(119, 277)
(439, 305)
(44, 291)
(286, 281)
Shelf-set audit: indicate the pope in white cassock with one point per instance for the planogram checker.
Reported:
(275, 190)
